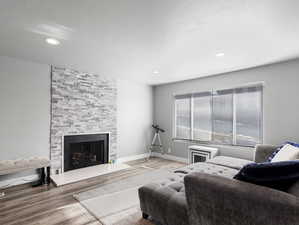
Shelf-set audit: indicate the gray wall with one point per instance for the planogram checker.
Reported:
(281, 104)
(24, 109)
(25, 113)
(135, 117)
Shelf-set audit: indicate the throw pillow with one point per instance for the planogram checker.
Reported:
(288, 152)
(279, 148)
(277, 175)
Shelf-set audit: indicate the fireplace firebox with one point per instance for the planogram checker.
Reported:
(85, 150)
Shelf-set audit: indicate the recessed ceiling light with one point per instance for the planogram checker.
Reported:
(220, 54)
(52, 41)
(155, 72)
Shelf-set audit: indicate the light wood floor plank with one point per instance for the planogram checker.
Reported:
(49, 205)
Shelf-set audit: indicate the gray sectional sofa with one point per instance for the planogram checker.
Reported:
(206, 194)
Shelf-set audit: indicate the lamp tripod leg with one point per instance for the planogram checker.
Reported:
(152, 146)
(160, 144)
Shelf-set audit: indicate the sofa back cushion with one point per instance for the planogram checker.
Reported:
(230, 162)
(277, 175)
(263, 152)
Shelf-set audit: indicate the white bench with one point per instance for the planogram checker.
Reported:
(19, 165)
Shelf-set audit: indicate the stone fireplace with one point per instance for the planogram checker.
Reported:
(81, 104)
(81, 151)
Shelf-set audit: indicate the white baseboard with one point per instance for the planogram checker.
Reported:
(170, 157)
(18, 181)
(155, 154)
(131, 158)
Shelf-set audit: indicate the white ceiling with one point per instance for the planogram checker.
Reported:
(129, 39)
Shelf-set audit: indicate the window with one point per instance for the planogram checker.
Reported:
(183, 117)
(223, 117)
(202, 120)
(231, 116)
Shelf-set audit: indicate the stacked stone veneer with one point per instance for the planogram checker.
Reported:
(81, 103)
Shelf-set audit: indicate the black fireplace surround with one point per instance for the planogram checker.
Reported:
(85, 150)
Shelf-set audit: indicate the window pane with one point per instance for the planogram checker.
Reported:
(248, 116)
(223, 117)
(183, 118)
(202, 124)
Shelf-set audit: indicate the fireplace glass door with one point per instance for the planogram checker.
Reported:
(85, 150)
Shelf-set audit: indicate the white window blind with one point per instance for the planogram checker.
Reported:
(230, 116)
(183, 117)
(202, 116)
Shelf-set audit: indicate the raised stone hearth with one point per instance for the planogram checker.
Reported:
(86, 173)
(81, 103)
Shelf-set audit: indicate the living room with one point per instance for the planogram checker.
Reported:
(149, 112)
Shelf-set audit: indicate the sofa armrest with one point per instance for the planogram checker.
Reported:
(262, 152)
(219, 200)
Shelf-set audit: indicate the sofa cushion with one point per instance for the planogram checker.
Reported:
(164, 198)
(263, 152)
(208, 168)
(277, 175)
(234, 163)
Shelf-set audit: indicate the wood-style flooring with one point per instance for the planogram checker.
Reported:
(49, 205)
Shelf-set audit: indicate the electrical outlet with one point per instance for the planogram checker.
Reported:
(169, 150)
